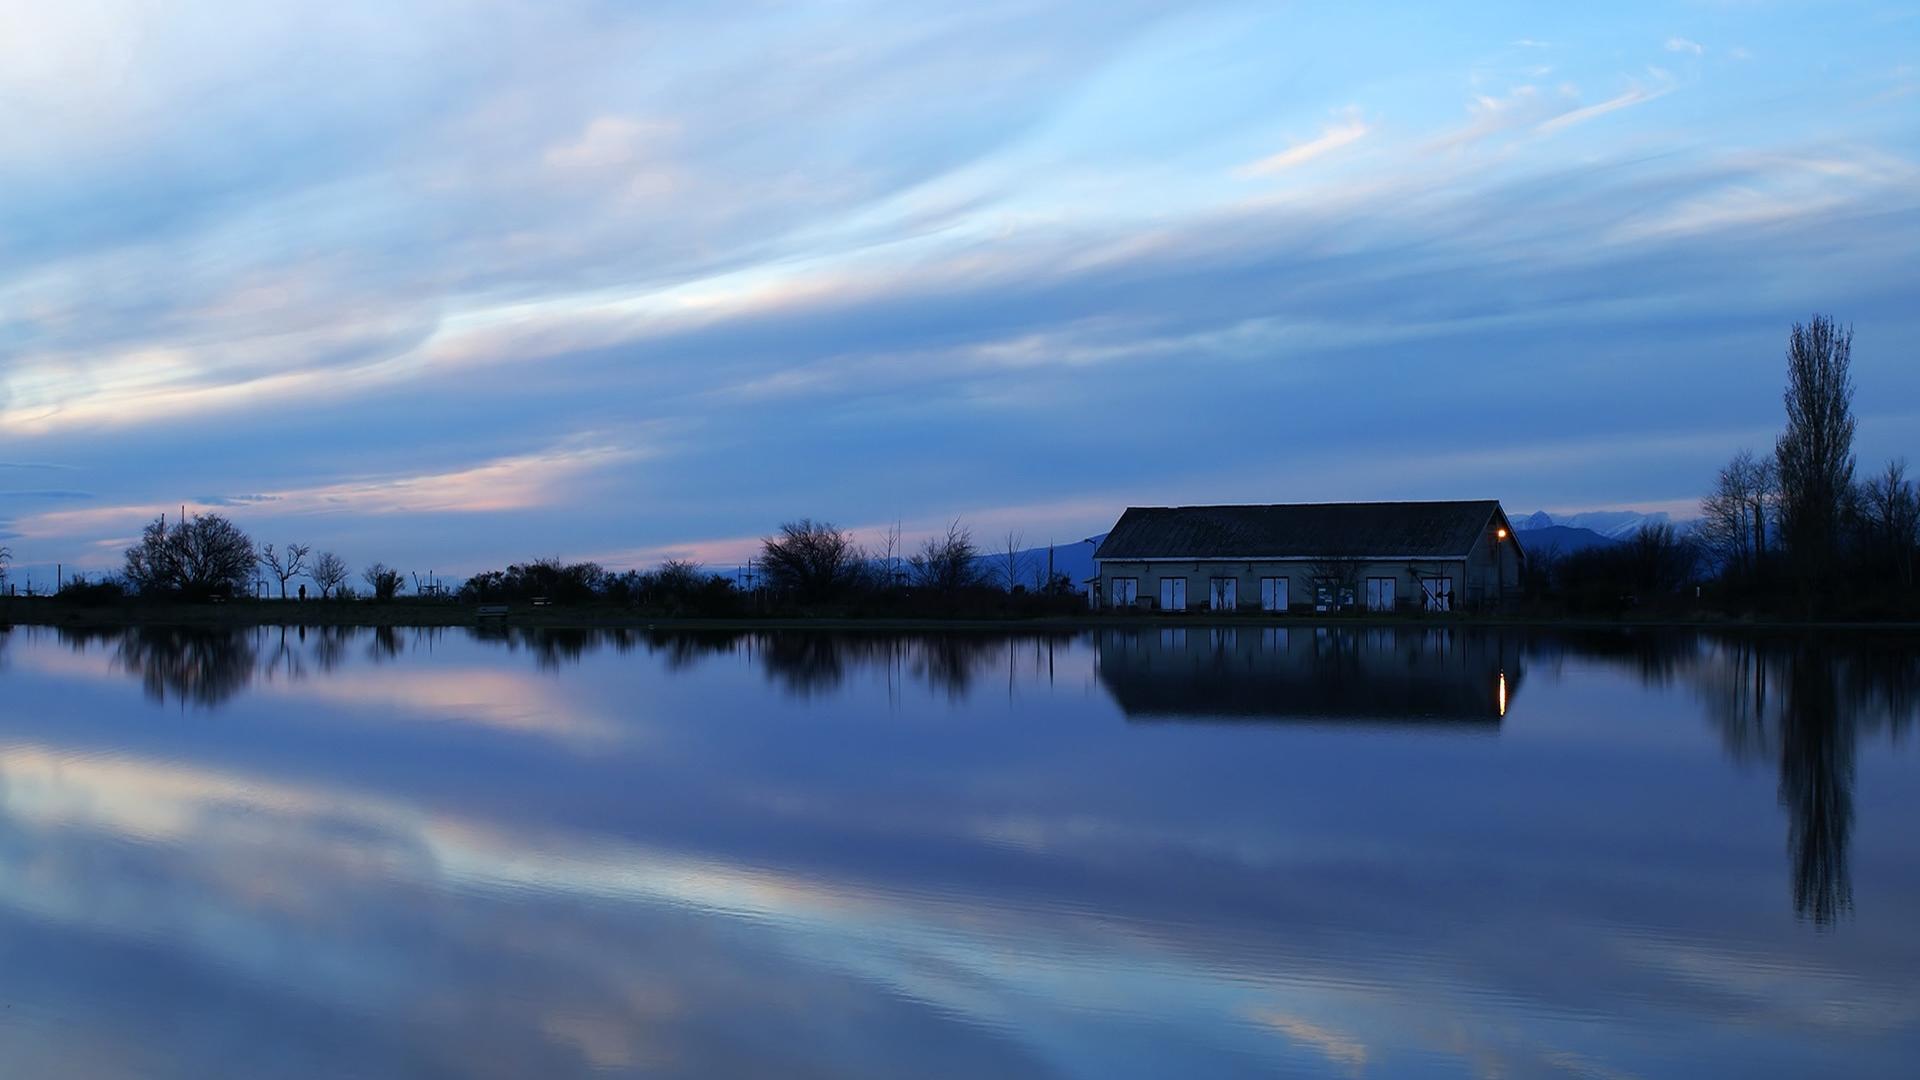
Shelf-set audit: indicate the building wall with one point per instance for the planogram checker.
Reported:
(1199, 575)
(1489, 573)
(1493, 568)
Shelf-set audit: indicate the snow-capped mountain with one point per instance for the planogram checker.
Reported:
(1612, 524)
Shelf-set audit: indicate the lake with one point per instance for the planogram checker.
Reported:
(1132, 852)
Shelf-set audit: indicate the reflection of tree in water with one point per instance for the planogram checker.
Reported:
(551, 648)
(204, 666)
(1657, 658)
(284, 654)
(681, 650)
(330, 646)
(803, 662)
(1804, 704)
(384, 644)
(806, 664)
(1816, 786)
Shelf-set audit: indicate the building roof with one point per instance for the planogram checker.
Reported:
(1382, 530)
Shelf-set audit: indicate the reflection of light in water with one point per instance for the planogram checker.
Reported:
(1503, 693)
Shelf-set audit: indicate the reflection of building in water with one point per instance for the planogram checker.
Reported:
(1307, 672)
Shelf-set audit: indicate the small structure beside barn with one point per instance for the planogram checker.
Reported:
(1310, 557)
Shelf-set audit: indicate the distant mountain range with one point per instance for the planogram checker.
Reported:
(1073, 559)
(1611, 524)
(1560, 540)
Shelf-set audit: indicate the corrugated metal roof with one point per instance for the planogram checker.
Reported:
(1421, 530)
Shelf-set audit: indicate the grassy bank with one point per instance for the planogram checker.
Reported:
(44, 611)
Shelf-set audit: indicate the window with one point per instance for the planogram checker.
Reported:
(1380, 595)
(1123, 591)
(1273, 594)
(1225, 593)
(1173, 594)
(1330, 595)
(1437, 592)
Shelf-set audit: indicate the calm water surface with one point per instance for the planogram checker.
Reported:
(1164, 853)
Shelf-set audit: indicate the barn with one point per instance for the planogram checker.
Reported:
(1379, 557)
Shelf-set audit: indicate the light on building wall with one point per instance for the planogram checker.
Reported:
(1501, 532)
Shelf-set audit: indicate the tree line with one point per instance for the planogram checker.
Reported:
(805, 567)
(1795, 531)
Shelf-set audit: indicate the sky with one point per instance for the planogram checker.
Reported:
(450, 285)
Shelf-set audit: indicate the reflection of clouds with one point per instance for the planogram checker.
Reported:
(1338, 1049)
(303, 886)
(509, 701)
(367, 905)
(1803, 992)
(1044, 880)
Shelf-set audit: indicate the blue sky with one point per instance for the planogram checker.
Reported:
(450, 285)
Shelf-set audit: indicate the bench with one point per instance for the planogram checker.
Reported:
(491, 611)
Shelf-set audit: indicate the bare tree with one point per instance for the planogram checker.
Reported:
(890, 556)
(285, 565)
(1815, 453)
(6, 557)
(329, 572)
(947, 563)
(813, 560)
(385, 581)
(1659, 558)
(1888, 506)
(204, 556)
(1339, 573)
(1010, 561)
(1734, 519)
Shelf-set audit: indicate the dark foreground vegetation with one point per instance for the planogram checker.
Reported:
(1796, 534)
(1790, 536)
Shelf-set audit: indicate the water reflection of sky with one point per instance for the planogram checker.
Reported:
(430, 854)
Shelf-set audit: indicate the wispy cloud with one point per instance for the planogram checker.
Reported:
(1351, 128)
(1683, 45)
(522, 482)
(833, 249)
(1636, 95)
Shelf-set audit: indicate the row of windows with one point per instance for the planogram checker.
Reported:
(1223, 594)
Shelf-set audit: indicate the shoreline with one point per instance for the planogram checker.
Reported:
(41, 611)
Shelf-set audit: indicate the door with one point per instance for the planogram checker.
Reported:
(1438, 593)
(1380, 594)
(1226, 593)
(1273, 594)
(1173, 594)
(1123, 591)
